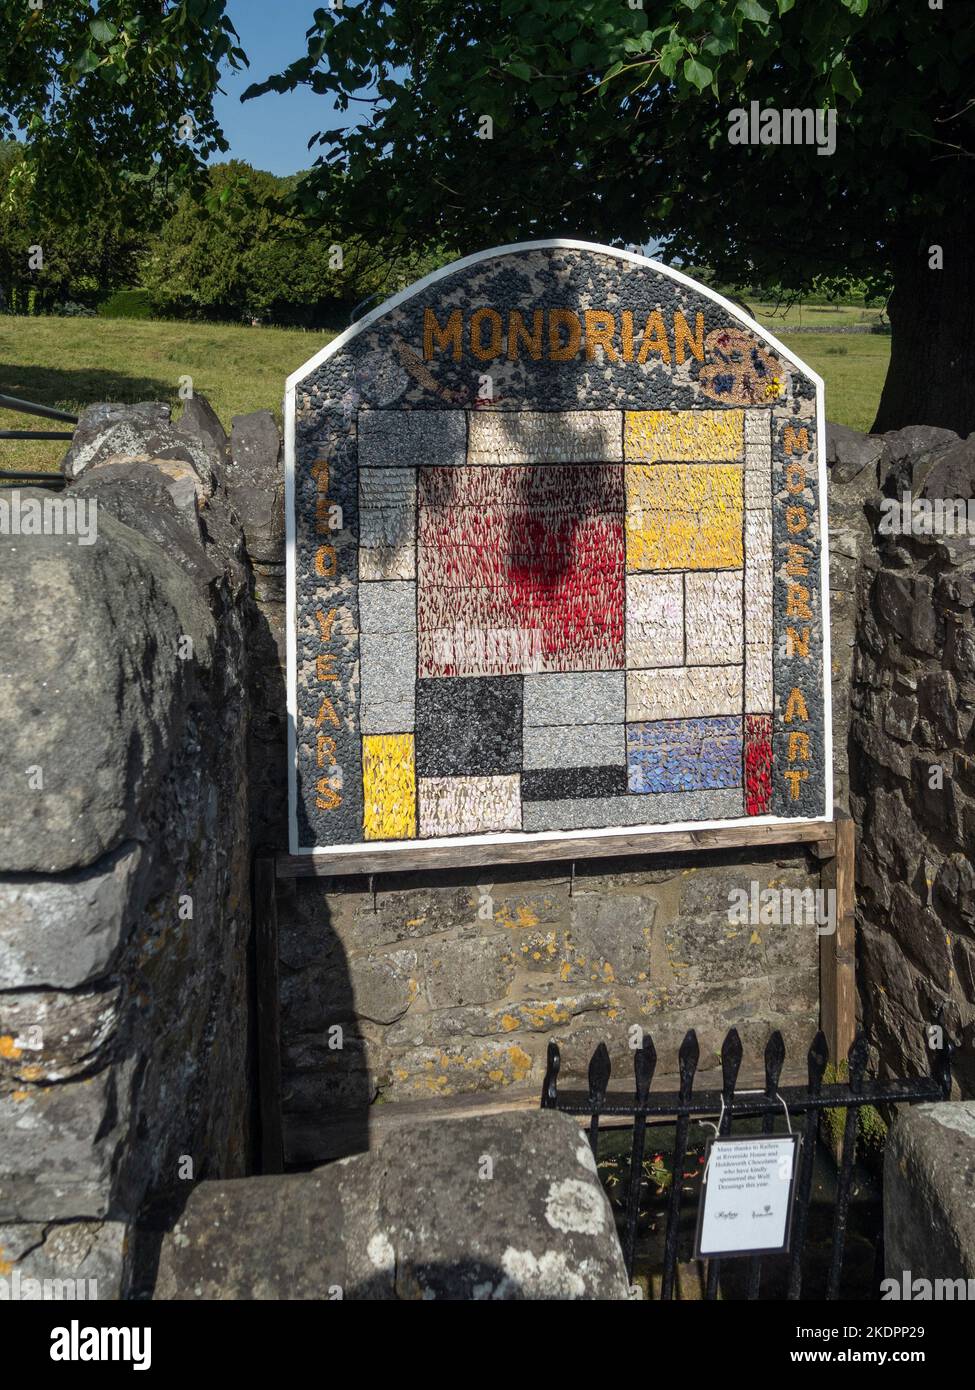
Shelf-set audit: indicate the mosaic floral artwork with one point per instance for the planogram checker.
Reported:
(555, 568)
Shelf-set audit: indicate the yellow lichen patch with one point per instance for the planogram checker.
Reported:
(521, 1063)
(543, 1015)
(509, 1023)
(9, 1049)
(684, 516)
(5, 1265)
(514, 916)
(19, 1095)
(755, 939)
(565, 971)
(389, 787)
(671, 436)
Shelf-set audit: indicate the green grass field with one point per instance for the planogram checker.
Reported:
(71, 363)
(779, 317)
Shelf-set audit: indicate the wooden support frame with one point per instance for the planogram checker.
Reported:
(833, 843)
(337, 863)
(837, 949)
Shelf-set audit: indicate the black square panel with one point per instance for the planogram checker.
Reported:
(468, 726)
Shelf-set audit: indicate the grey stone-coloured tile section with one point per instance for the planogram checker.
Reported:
(586, 745)
(662, 808)
(388, 671)
(387, 490)
(539, 436)
(387, 523)
(406, 438)
(388, 717)
(589, 697)
(387, 608)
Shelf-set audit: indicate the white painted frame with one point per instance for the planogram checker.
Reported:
(412, 849)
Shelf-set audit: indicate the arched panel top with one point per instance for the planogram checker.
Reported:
(556, 558)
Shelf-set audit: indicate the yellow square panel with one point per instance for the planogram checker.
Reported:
(389, 787)
(677, 436)
(684, 516)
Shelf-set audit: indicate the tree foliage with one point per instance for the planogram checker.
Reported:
(235, 253)
(112, 95)
(81, 257)
(610, 119)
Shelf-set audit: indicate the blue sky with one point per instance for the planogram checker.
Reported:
(272, 132)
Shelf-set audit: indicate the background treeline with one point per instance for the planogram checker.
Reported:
(229, 252)
(233, 251)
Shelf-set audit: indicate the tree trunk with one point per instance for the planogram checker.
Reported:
(931, 377)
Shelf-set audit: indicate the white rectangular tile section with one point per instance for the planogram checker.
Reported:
(758, 612)
(758, 678)
(469, 805)
(654, 620)
(758, 459)
(714, 620)
(540, 436)
(758, 426)
(686, 692)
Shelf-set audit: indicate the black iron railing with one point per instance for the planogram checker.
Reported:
(771, 1104)
(17, 476)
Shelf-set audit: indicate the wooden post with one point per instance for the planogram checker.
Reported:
(268, 1016)
(837, 960)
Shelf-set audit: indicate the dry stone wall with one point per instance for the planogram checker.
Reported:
(124, 853)
(912, 771)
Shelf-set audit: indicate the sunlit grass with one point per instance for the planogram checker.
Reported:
(72, 363)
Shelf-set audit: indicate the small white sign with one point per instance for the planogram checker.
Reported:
(746, 1201)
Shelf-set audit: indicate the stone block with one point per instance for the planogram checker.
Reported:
(60, 1145)
(63, 932)
(683, 692)
(458, 973)
(541, 1229)
(655, 620)
(578, 746)
(929, 1218)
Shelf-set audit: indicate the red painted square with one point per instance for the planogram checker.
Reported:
(520, 569)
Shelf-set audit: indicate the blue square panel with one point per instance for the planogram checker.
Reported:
(683, 755)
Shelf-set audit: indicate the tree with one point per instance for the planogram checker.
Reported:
(112, 96)
(496, 120)
(233, 252)
(46, 257)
